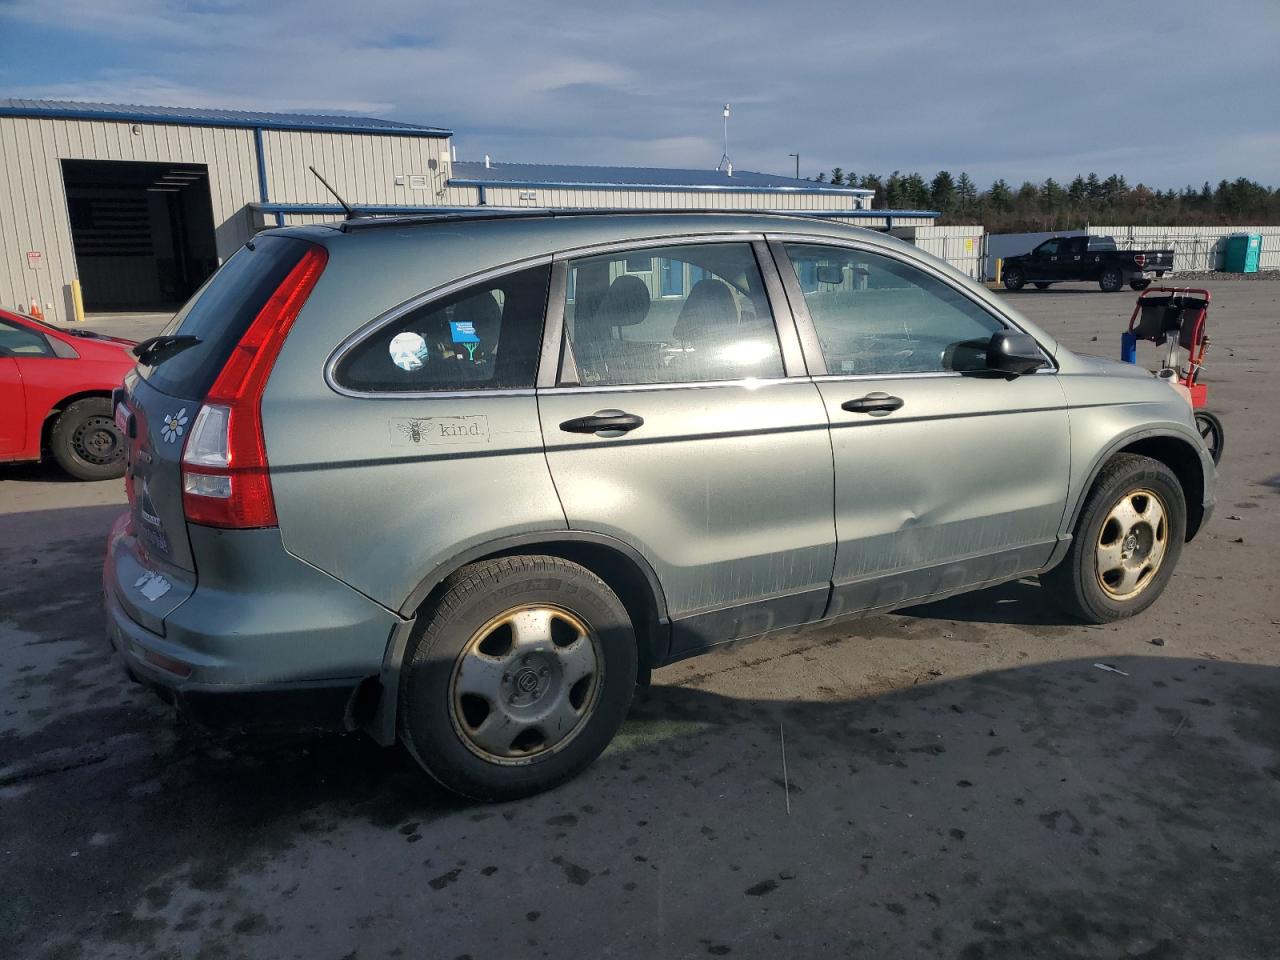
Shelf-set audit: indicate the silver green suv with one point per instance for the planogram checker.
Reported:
(463, 481)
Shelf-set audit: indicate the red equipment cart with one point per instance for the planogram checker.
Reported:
(1177, 316)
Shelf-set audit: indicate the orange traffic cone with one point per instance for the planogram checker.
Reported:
(35, 310)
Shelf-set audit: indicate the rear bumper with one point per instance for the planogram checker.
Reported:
(263, 641)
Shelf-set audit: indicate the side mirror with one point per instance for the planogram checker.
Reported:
(1014, 353)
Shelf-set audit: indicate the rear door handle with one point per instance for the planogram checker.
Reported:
(873, 403)
(606, 422)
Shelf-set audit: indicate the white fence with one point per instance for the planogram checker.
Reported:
(960, 246)
(1194, 248)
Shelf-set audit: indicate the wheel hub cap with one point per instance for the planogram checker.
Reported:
(525, 683)
(1132, 544)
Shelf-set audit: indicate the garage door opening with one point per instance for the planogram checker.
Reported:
(142, 232)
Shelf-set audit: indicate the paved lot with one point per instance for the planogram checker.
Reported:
(963, 782)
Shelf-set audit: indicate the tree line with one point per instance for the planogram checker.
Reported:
(1050, 205)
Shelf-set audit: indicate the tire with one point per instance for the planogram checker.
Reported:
(1212, 433)
(1111, 280)
(1139, 284)
(1013, 278)
(477, 701)
(86, 441)
(1084, 583)
(1041, 285)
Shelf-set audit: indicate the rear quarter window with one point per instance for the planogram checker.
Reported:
(219, 313)
(483, 337)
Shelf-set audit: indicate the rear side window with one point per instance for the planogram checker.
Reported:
(220, 312)
(679, 314)
(485, 337)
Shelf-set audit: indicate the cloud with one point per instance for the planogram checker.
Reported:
(1043, 90)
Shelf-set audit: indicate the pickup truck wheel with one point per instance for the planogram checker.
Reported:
(86, 441)
(1139, 284)
(1013, 278)
(1041, 285)
(1111, 280)
(518, 678)
(1126, 544)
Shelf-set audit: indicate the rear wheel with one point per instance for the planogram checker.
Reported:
(1126, 544)
(1041, 285)
(1139, 284)
(1111, 280)
(518, 678)
(1212, 433)
(1013, 278)
(86, 441)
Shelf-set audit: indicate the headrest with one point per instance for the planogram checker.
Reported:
(626, 303)
(710, 305)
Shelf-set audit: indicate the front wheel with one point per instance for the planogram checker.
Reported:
(1212, 433)
(86, 441)
(1126, 544)
(1139, 284)
(1013, 278)
(1111, 281)
(518, 678)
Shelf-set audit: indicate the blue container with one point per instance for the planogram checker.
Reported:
(1242, 253)
(1128, 347)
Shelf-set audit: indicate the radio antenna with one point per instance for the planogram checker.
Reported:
(345, 206)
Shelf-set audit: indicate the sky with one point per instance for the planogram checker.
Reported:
(1164, 92)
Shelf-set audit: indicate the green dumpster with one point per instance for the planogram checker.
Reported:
(1242, 253)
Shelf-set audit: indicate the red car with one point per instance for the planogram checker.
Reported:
(55, 395)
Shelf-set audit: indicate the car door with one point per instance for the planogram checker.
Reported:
(18, 345)
(1072, 257)
(946, 476)
(1045, 263)
(675, 425)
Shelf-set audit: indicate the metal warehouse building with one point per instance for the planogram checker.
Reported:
(133, 207)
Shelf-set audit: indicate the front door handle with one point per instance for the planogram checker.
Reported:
(873, 403)
(612, 423)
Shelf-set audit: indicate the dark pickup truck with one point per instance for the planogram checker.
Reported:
(1064, 259)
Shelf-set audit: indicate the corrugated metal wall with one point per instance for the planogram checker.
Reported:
(33, 202)
(500, 196)
(1194, 248)
(361, 167)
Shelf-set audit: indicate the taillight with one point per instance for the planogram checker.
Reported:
(225, 478)
(1140, 259)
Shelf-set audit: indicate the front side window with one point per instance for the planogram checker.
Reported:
(18, 341)
(1047, 249)
(485, 337)
(876, 315)
(704, 317)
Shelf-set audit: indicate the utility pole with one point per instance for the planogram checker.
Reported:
(797, 156)
(725, 163)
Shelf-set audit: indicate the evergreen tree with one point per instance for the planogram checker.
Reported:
(837, 176)
(942, 192)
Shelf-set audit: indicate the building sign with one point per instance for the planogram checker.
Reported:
(35, 259)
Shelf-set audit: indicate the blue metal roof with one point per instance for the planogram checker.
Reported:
(471, 174)
(205, 117)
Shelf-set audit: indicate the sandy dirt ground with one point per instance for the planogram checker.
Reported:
(961, 779)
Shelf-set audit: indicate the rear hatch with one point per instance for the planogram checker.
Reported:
(159, 408)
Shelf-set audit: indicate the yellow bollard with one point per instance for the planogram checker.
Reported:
(77, 301)
(999, 267)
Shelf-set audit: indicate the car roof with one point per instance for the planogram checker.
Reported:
(540, 231)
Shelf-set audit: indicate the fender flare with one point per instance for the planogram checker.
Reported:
(382, 724)
(1071, 517)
